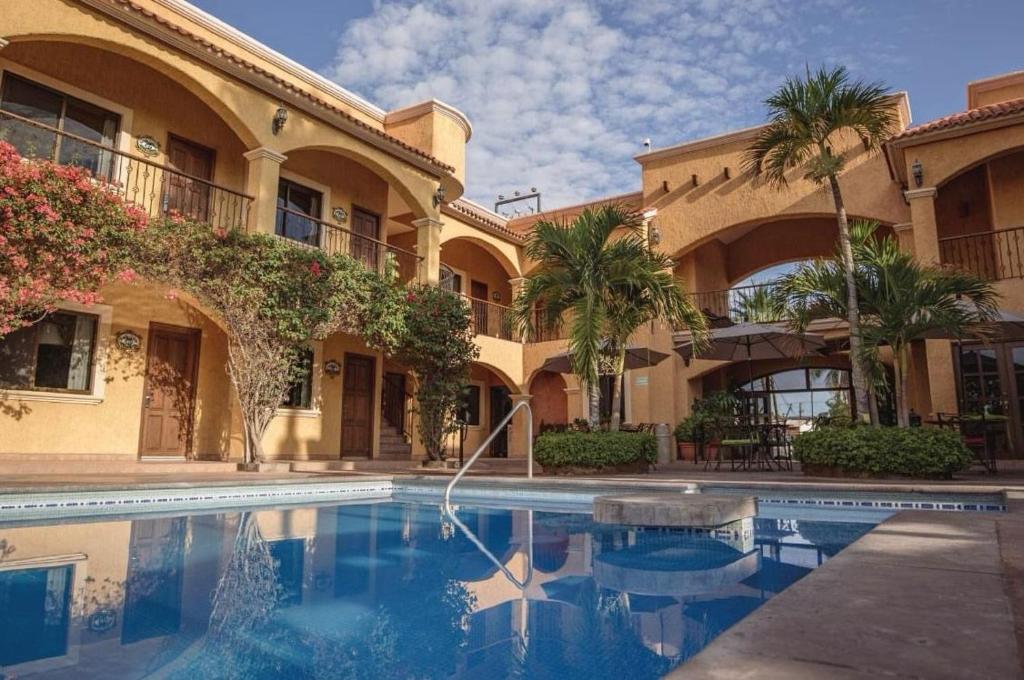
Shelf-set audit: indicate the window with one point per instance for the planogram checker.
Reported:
(93, 127)
(471, 405)
(800, 394)
(300, 394)
(293, 202)
(53, 354)
(35, 609)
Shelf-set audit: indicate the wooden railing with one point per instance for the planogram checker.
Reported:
(373, 253)
(992, 255)
(155, 188)
(736, 304)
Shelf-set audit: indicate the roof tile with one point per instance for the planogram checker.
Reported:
(978, 115)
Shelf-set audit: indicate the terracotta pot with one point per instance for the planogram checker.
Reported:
(687, 451)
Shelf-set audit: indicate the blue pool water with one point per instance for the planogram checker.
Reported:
(388, 590)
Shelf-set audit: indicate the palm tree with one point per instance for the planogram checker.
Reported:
(605, 288)
(806, 119)
(901, 300)
(755, 304)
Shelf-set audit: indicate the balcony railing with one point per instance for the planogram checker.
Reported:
(992, 255)
(155, 188)
(492, 319)
(742, 303)
(373, 253)
(542, 334)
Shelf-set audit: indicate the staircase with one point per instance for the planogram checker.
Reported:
(393, 445)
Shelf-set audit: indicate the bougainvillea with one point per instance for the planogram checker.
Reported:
(272, 296)
(63, 235)
(437, 346)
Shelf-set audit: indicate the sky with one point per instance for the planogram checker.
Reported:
(562, 93)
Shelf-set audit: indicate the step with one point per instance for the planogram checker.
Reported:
(352, 464)
(71, 466)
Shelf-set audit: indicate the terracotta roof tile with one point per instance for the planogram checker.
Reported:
(238, 61)
(467, 210)
(978, 115)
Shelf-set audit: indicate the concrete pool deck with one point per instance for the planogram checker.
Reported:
(923, 595)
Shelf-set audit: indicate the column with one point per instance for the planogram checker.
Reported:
(519, 433)
(925, 229)
(938, 354)
(261, 179)
(517, 284)
(428, 246)
(905, 236)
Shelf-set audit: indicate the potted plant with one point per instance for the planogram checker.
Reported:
(708, 420)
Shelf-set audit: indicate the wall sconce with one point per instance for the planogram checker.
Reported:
(917, 170)
(332, 367)
(339, 214)
(280, 118)
(654, 234)
(496, 296)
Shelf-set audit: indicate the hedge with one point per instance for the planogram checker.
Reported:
(594, 449)
(914, 452)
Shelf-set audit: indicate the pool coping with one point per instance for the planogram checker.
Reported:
(922, 595)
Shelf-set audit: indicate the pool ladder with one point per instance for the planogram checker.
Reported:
(487, 442)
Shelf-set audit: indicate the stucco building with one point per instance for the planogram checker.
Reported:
(184, 112)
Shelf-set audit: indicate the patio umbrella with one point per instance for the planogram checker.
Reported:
(749, 341)
(636, 357)
(1004, 324)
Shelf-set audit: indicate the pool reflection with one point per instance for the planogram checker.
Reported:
(384, 590)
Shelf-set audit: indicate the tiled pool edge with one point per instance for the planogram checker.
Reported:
(923, 594)
(83, 503)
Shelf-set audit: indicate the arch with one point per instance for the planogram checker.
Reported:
(945, 160)
(550, 401)
(216, 103)
(510, 267)
(501, 375)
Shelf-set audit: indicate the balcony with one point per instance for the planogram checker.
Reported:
(157, 189)
(993, 255)
(492, 319)
(742, 303)
(334, 239)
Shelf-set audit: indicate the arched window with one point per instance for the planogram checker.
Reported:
(800, 394)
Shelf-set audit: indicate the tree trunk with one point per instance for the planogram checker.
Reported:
(860, 385)
(594, 414)
(620, 372)
(253, 440)
(900, 365)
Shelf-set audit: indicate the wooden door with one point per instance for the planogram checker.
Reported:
(357, 407)
(366, 249)
(478, 293)
(168, 403)
(188, 195)
(153, 587)
(501, 404)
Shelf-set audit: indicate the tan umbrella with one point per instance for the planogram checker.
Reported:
(636, 357)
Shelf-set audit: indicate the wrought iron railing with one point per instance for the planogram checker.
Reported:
(446, 279)
(492, 319)
(742, 303)
(992, 255)
(155, 188)
(373, 253)
(541, 333)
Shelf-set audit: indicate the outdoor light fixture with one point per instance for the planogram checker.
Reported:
(438, 196)
(332, 367)
(654, 234)
(918, 171)
(496, 296)
(280, 118)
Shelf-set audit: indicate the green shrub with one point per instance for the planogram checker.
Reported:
(710, 417)
(915, 452)
(594, 449)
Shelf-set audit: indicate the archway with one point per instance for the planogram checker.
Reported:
(550, 403)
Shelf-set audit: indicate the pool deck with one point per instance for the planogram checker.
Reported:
(923, 595)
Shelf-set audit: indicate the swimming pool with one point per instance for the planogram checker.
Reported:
(390, 589)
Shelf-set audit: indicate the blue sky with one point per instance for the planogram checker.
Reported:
(562, 93)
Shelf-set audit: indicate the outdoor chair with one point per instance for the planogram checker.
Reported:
(741, 442)
(778, 445)
(978, 433)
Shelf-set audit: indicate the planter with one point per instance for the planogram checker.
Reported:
(812, 470)
(688, 451)
(630, 468)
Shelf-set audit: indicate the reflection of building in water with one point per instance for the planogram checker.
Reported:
(130, 598)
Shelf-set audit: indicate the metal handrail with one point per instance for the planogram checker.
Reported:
(487, 442)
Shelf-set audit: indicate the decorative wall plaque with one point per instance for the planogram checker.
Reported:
(147, 145)
(128, 341)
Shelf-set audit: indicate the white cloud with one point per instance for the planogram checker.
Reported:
(561, 94)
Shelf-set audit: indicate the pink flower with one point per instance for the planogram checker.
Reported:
(128, 275)
(314, 268)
